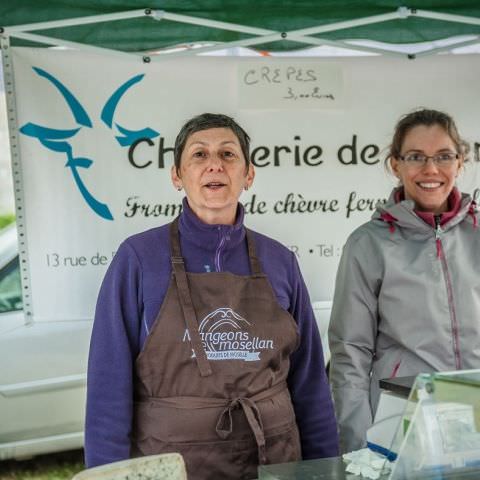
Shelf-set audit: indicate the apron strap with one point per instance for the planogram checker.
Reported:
(189, 315)
(224, 425)
(178, 267)
(254, 262)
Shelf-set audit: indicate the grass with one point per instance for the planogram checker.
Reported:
(58, 466)
(6, 219)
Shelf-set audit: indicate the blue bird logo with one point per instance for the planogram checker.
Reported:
(56, 139)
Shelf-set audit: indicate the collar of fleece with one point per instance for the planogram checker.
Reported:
(207, 235)
(454, 204)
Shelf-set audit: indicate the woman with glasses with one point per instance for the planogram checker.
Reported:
(407, 296)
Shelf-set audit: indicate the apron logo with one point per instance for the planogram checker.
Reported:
(58, 139)
(223, 338)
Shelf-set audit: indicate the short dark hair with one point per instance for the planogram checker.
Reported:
(429, 118)
(205, 121)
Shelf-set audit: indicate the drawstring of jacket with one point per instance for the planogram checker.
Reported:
(438, 219)
(390, 219)
(472, 212)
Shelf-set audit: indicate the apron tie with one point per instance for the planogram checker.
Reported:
(224, 425)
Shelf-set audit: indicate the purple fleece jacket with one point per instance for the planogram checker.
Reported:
(129, 300)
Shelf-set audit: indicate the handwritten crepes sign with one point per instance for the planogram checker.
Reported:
(290, 85)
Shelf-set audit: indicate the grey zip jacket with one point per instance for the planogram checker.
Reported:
(407, 300)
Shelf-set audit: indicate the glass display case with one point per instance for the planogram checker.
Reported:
(438, 436)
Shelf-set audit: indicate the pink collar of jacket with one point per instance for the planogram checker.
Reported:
(454, 205)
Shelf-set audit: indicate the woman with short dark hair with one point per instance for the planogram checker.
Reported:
(204, 340)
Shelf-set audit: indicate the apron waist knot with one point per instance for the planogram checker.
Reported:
(224, 425)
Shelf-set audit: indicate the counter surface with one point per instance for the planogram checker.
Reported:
(334, 469)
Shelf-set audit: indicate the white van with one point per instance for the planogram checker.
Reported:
(43, 370)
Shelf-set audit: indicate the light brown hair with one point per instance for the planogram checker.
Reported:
(427, 118)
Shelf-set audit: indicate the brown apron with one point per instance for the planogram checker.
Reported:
(214, 389)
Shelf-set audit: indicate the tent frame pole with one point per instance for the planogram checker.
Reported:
(71, 22)
(445, 17)
(203, 22)
(244, 43)
(265, 36)
(446, 48)
(260, 35)
(74, 45)
(15, 159)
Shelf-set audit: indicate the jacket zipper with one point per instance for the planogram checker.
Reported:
(218, 251)
(448, 283)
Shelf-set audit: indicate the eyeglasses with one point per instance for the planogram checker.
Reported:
(419, 160)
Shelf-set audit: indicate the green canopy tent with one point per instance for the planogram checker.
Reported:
(134, 28)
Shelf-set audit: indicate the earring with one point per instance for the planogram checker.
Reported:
(246, 187)
(179, 188)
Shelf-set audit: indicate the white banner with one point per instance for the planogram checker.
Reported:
(96, 135)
